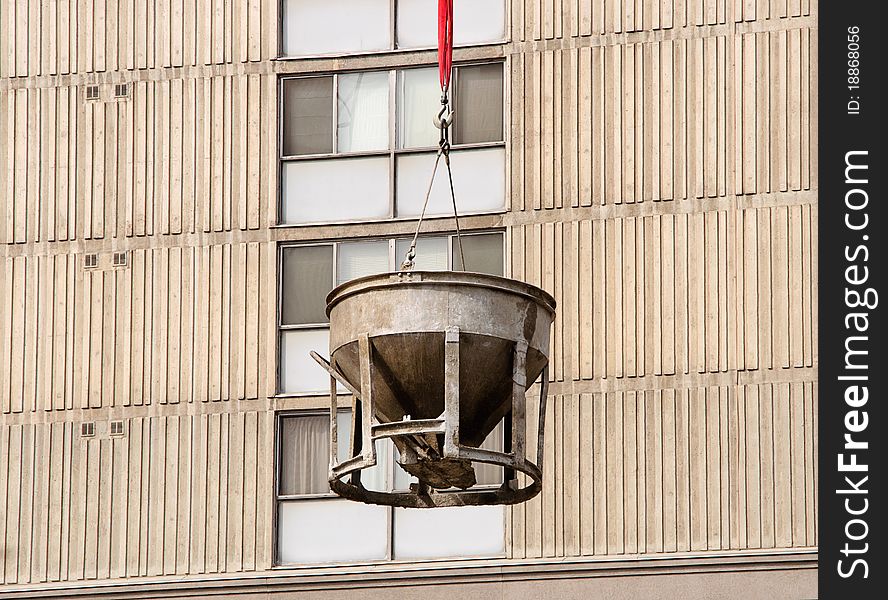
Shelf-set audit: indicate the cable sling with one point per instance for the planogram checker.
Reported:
(442, 121)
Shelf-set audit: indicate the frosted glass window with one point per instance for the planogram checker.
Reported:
(479, 104)
(299, 373)
(484, 254)
(363, 112)
(478, 178)
(444, 532)
(308, 116)
(331, 530)
(357, 259)
(419, 100)
(431, 253)
(312, 27)
(307, 277)
(475, 22)
(342, 189)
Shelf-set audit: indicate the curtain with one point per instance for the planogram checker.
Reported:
(357, 259)
(363, 112)
(431, 253)
(305, 454)
(305, 447)
(420, 100)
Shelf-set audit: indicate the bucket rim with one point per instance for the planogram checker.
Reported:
(439, 278)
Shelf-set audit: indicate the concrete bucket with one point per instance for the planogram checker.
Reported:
(435, 360)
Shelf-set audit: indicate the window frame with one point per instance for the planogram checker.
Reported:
(393, 151)
(393, 32)
(279, 499)
(393, 262)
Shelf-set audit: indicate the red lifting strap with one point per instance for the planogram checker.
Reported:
(445, 41)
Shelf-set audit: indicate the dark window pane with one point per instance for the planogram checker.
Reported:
(479, 104)
(307, 279)
(308, 115)
(484, 253)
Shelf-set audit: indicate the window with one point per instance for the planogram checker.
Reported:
(90, 261)
(309, 272)
(116, 428)
(362, 146)
(88, 429)
(92, 92)
(315, 525)
(312, 27)
(121, 90)
(119, 259)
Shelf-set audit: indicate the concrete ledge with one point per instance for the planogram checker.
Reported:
(746, 574)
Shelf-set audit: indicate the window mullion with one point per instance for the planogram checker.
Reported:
(335, 113)
(393, 138)
(335, 266)
(281, 118)
(393, 23)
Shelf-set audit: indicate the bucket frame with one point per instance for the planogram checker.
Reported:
(345, 476)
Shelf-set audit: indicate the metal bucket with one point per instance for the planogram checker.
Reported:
(436, 360)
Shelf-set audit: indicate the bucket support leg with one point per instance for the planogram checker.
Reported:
(368, 448)
(334, 434)
(544, 396)
(451, 392)
(519, 401)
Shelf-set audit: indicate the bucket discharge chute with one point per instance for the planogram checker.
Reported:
(434, 361)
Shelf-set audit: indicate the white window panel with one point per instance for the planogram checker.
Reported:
(419, 100)
(357, 259)
(449, 532)
(363, 112)
(335, 26)
(343, 189)
(475, 22)
(298, 371)
(334, 530)
(478, 177)
(431, 253)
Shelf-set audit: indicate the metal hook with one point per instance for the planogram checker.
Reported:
(441, 121)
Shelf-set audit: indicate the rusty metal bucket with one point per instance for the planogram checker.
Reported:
(435, 360)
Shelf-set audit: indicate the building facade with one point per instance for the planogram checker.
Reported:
(182, 181)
